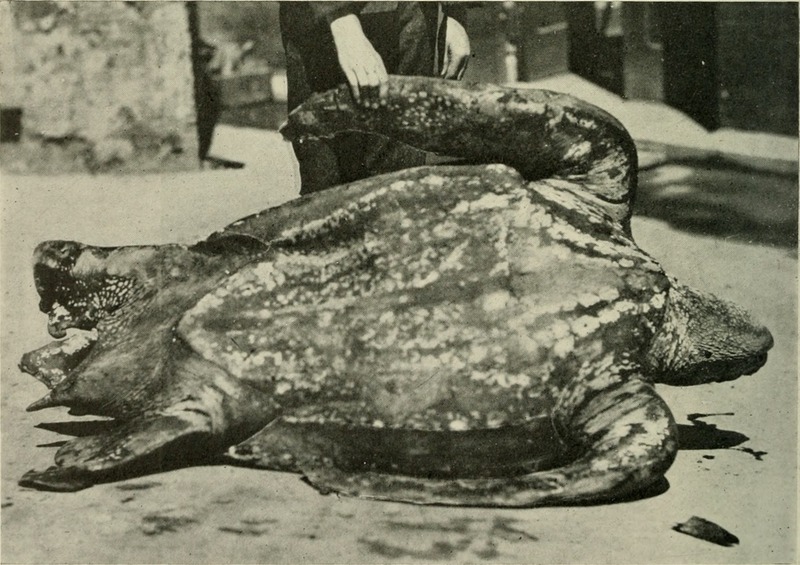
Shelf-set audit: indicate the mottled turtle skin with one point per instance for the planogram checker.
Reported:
(483, 334)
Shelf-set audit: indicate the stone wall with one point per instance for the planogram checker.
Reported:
(103, 86)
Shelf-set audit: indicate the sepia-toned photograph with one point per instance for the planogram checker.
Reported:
(398, 282)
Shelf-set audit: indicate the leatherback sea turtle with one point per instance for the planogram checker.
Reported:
(485, 333)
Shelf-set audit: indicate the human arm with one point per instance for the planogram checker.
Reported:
(457, 51)
(359, 61)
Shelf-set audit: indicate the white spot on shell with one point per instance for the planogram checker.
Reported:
(564, 346)
(477, 354)
(206, 304)
(585, 325)
(490, 202)
(608, 315)
(541, 219)
(496, 300)
(444, 230)
(500, 168)
(560, 329)
(586, 300)
(453, 261)
(624, 306)
(429, 362)
(609, 293)
(432, 277)
(578, 150)
(658, 300)
(458, 425)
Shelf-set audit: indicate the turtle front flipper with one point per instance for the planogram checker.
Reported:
(628, 440)
(151, 441)
(173, 408)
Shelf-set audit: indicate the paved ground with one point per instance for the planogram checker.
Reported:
(737, 465)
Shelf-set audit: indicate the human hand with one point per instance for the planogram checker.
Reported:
(457, 51)
(361, 64)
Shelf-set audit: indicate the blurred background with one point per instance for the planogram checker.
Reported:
(123, 85)
(731, 64)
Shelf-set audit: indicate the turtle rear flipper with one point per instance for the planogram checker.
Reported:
(539, 133)
(148, 443)
(630, 442)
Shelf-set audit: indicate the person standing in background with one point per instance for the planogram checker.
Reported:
(361, 43)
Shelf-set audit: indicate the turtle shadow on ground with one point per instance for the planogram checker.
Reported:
(180, 454)
(654, 489)
(81, 428)
(703, 436)
(185, 456)
(699, 435)
(722, 201)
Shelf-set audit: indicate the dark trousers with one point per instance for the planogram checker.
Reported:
(404, 37)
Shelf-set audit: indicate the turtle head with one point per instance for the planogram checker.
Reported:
(705, 339)
(80, 284)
